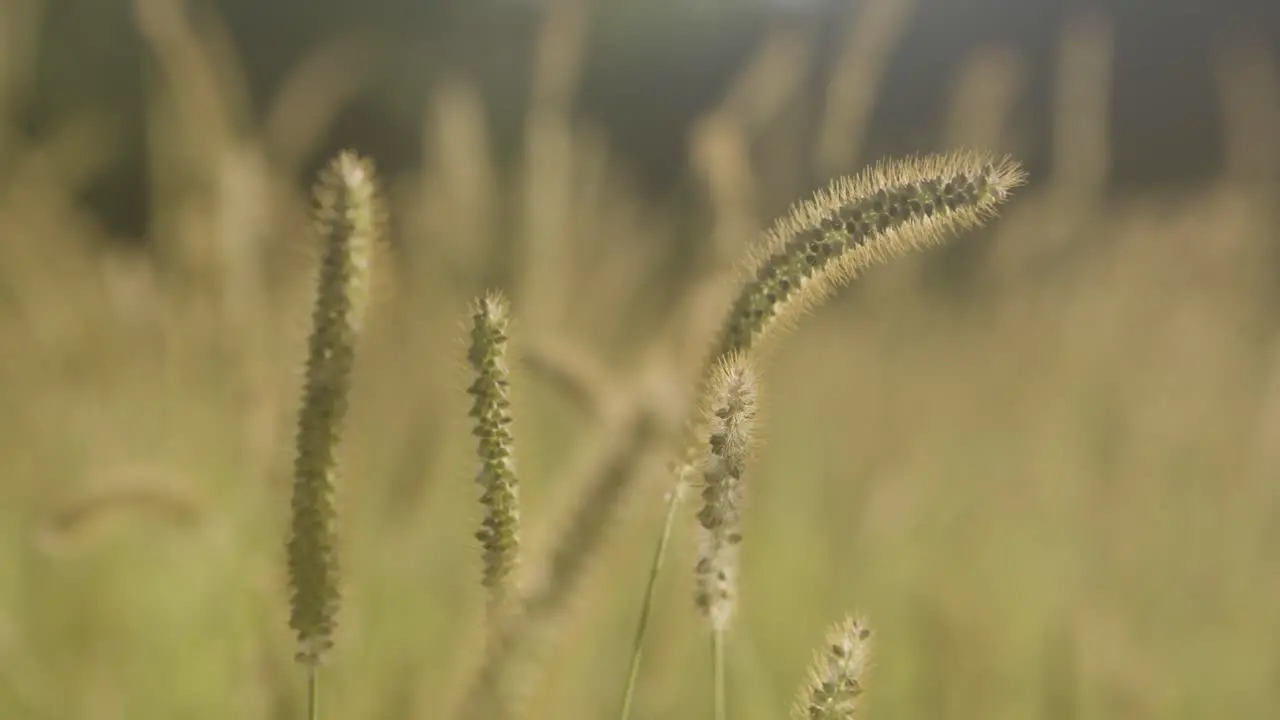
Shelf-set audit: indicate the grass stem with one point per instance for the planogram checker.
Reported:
(717, 674)
(646, 608)
(313, 691)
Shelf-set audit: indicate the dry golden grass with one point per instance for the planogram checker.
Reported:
(1054, 493)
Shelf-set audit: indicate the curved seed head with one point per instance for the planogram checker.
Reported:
(888, 210)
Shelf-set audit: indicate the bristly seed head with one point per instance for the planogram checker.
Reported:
(348, 217)
(887, 210)
(835, 676)
(499, 534)
(730, 423)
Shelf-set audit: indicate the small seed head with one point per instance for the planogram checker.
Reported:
(835, 675)
(499, 534)
(730, 423)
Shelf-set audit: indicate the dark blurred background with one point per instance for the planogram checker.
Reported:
(651, 67)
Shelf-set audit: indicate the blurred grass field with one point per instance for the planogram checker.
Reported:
(1044, 462)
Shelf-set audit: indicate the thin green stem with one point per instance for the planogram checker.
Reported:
(646, 608)
(313, 691)
(717, 673)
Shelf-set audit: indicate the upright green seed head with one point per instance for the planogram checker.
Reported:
(835, 676)
(730, 422)
(348, 218)
(499, 534)
(884, 212)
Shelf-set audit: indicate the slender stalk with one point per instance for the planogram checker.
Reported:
(646, 608)
(717, 673)
(313, 691)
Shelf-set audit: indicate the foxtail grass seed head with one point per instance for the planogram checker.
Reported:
(348, 219)
(499, 534)
(889, 209)
(731, 417)
(834, 686)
